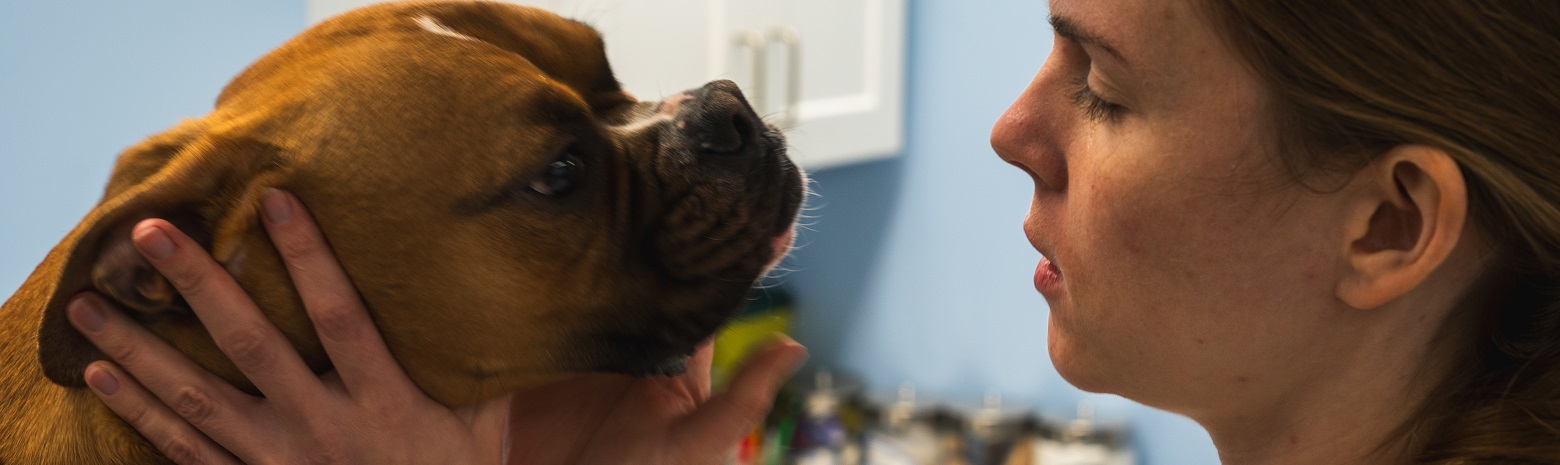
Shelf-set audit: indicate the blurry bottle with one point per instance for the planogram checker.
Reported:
(1023, 448)
(897, 436)
(780, 428)
(821, 437)
(987, 438)
(1082, 442)
(949, 432)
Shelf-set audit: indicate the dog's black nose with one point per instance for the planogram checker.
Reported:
(720, 121)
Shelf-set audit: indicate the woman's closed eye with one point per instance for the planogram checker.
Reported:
(1094, 107)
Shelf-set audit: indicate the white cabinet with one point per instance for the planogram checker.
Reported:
(830, 71)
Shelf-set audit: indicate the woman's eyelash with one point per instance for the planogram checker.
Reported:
(1093, 106)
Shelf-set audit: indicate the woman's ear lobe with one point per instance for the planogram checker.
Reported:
(1414, 206)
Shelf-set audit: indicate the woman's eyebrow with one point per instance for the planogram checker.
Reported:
(1070, 30)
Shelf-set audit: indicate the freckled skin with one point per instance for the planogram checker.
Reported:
(1166, 231)
(1196, 275)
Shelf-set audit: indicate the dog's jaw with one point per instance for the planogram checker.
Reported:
(678, 364)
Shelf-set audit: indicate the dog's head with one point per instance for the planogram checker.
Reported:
(507, 212)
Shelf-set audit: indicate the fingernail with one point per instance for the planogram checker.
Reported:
(153, 242)
(276, 206)
(797, 356)
(87, 315)
(101, 380)
(799, 359)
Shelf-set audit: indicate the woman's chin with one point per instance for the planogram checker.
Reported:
(1075, 365)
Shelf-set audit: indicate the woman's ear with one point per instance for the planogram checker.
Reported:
(1410, 211)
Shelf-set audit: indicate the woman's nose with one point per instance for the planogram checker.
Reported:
(1032, 133)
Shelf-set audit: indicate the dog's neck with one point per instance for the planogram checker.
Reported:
(44, 423)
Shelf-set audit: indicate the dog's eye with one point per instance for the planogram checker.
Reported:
(559, 177)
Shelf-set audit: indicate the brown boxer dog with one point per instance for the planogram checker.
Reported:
(507, 212)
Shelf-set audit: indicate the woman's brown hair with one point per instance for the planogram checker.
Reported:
(1480, 80)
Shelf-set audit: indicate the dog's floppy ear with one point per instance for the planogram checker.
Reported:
(184, 175)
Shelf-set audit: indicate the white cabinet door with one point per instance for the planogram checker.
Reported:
(656, 47)
(840, 97)
(851, 100)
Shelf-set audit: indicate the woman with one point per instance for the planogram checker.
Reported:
(1328, 231)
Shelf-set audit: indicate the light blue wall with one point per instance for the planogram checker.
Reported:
(81, 80)
(915, 268)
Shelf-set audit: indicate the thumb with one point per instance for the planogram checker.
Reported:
(729, 416)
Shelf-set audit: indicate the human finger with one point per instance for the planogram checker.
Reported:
(254, 345)
(697, 378)
(731, 415)
(489, 421)
(174, 385)
(340, 318)
(162, 427)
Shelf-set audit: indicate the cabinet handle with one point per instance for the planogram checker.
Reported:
(792, 40)
(755, 44)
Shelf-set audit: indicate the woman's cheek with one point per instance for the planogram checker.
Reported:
(1093, 330)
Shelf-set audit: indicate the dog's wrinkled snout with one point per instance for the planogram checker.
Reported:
(720, 121)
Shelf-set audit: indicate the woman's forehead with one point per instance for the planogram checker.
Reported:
(1144, 32)
(1167, 45)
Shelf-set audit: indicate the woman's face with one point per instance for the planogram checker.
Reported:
(1184, 267)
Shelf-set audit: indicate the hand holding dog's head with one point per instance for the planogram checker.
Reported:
(508, 213)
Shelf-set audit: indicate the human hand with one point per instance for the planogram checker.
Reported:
(369, 411)
(602, 419)
(365, 412)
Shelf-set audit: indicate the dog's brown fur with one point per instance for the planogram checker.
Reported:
(416, 133)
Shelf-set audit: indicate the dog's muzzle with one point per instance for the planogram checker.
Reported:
(728, 198)
(740, 192)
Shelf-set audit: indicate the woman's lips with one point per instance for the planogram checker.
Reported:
(1048, 278)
